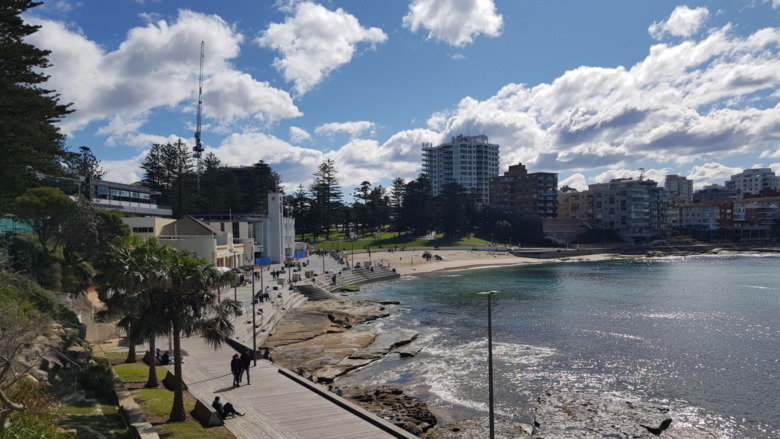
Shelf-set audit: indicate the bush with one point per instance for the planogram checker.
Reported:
(39, 420)
(97, 378)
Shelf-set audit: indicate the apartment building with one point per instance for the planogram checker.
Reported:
(467, 160)
(678, 188)
(636, 209)
(752, 181)
(519, 193)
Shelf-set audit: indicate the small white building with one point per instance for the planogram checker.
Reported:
(227, 240)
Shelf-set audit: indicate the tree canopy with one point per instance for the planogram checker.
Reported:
(30, 141)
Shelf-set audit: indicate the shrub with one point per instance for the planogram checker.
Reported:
(40, 418)
(97, 378)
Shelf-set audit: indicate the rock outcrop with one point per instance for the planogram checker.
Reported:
(391, 404)
(576, 415)
(317, 339)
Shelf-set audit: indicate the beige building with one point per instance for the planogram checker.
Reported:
(195, 236)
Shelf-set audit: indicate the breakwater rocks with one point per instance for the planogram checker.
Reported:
(574, 415)
(317, 339)
(391, 404)
(577, 415)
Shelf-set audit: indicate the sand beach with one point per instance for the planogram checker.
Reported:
(412, 262)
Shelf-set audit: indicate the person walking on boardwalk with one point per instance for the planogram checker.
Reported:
(236, 367)
(246, 361)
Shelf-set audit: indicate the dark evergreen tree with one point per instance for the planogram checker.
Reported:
(379, 203)
(326, 197)
(29, 140)
(418, 207)
(454, 204)
(209, 198)
(256, 184)
(396, 203)
(84, 165)
(170, 170)
(360, 209)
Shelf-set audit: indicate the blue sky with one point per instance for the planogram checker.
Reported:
(592, 90)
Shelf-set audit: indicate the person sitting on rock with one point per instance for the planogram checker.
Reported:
(225, 410)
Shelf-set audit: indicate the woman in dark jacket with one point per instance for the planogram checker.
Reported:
(236, 367)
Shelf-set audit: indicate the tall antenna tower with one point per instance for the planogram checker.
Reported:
(198, 148)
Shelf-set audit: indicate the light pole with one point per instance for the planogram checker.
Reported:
(254, 314)
(235, 290)
(490, 361)
(254, 331)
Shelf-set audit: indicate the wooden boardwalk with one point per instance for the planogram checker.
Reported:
(277, 405)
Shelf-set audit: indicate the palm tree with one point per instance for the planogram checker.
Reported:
(158, 290)
(189, 304)
(130, 274)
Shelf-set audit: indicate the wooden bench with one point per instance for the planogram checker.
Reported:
(206, 414)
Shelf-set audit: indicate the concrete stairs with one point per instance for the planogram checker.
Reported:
(273, 312)
(361, 276)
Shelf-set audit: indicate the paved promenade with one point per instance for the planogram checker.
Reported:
(277, 405)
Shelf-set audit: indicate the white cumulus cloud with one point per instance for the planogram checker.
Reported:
(156, 68)
(298, 135)
(683, 22)
(576, 181)
(356, 161)
(684, 103)
(455, 22)
(354, 129)
(711, 173)
(314, 42)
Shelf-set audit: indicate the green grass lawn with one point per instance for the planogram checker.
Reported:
(137, 372)
(115, 355)
(157, 403)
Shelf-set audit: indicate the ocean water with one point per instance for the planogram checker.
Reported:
(700, 334)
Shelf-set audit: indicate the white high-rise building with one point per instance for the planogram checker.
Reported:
(468, 160)
(751, 181)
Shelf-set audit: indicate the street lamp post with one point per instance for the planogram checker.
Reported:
(490, 362)
(254, 332)
(254, 314)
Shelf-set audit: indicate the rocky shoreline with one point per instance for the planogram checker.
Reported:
(320, 341)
